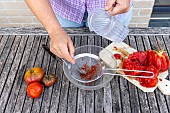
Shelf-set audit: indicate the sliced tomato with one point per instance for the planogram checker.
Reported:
(149, 82)
(128, 64)
(135, 61)
(158, 59)
(140, 56)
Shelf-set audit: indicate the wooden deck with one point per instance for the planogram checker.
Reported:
(18, 53)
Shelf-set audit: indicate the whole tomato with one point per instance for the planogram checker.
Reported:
(49, 80)
(158, 59)
(34, 75)
(34, 89)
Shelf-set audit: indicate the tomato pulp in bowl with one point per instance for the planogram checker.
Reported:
(86, 55)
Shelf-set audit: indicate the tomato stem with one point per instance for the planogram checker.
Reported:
(47, 76)
(31, 71)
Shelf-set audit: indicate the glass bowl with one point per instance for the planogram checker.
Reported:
(88, 54)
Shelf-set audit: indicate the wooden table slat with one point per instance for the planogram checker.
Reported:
(24, 101)
(99, 94)
(31, 63)
(41, 61)
(166, 40)
(151, 96)
(90, 94)
(4, 77)
(154, 45)
(124, 92)
(1, 38)
(54, 103)
(72, 94)
(48, 91)
(13, 72)
(81, 99)
(63, 96)
(161, 97)
(6, 52)
(167, 43)
(3, 43)
(46, 96)
(142, 96)
(19, 75)
(8, 62)
(107, 89)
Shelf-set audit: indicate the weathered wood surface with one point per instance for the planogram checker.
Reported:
(18, 53)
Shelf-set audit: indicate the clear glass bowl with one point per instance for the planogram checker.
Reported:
(87, 54)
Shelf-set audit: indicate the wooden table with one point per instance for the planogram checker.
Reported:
(20, 52)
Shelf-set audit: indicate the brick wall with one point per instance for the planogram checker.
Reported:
(141, 13)
(15, 13)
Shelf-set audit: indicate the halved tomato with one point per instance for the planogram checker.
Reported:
(149, 82)
(158, 59)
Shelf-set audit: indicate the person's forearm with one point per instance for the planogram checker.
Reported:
(43, 11)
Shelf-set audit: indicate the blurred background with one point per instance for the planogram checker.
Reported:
(146, 13)
(160, 16)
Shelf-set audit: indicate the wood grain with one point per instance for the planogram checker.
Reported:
(19, 53)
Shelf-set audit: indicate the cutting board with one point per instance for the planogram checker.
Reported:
(129, 50)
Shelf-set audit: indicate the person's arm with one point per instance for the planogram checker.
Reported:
(121, 6)
(60, 43)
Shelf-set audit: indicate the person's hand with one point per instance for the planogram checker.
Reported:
(62, 46)
(117, 6)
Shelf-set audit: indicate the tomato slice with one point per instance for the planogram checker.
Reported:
(149, 82)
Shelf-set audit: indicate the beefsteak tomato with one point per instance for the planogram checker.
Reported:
(34, 89)
(49, 80)
(34, 75)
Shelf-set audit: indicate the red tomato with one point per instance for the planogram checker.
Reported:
(158, 59)
(34, 89)
(34, 75)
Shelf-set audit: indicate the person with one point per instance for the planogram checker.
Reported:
(56, 14)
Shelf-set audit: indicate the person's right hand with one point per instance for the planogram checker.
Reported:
(62, 46)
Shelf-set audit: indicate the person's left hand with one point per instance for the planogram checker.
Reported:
(121, 6)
